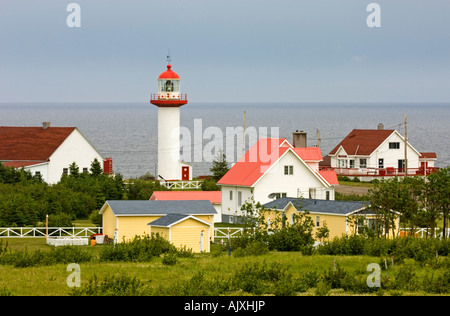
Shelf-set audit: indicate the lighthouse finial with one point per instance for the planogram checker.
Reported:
(168, 57)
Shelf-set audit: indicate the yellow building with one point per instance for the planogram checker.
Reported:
(183, 223)
(341, 217)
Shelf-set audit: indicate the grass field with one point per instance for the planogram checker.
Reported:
(52, 280)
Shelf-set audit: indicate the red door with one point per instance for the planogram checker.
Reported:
(185, 173)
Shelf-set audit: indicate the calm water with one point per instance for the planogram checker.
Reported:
(128, 132)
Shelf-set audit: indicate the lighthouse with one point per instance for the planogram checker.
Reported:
(169, 100)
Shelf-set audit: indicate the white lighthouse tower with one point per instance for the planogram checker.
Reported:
(169, 100)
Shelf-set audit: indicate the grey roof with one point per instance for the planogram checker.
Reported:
(168, 220)
(157, 207)
(318, 206)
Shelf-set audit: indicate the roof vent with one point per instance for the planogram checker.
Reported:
(380, 126)
(45, 125)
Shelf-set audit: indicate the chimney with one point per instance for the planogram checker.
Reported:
(299, 139)
(45, 125)
(380, 126)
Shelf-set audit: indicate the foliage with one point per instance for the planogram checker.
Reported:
(113, 285)
(219, 166)
(140, 249)
(420, 201)
(280, 235)
(26, 200)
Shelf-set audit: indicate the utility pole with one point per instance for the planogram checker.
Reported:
(406, 150)
(243, 135)
(318, 138)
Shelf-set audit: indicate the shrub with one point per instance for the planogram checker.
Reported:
(169, 259)
(113, 285)
(141, 248)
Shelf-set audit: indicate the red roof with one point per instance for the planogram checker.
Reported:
(169, 74)
(213, 196)
(254, 164)
(363, 141)
(20, 164)
(309, 153)
(428, 155)
(31, 143)
(330, 176)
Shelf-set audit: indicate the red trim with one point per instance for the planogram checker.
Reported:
(168, 102)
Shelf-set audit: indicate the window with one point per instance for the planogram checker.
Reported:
(352, 163)
(362, 162)
(37, 174)
(394, 145)
(85, 170)
(317, 221)
(381, 163)
(231, 195)
(327, 195)
(288, 170)
(65, 171)
(312, 193)
(239, 198)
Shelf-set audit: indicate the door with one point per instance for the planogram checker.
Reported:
(185, 173)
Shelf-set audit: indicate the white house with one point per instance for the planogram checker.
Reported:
(273, 168)
(378, 152)
(47, 151)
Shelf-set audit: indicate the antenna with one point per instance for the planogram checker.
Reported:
(168, 57)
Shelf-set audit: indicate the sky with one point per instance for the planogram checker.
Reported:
(226, 51)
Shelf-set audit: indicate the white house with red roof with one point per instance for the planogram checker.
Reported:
(214, 197)
(369, 153)
(274, 168)
(46, 151)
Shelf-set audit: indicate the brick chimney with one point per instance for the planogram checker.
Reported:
(299, 139)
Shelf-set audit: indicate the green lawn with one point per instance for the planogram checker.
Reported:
(51, 280)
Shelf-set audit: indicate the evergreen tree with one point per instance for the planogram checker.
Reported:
(219, 167)
(96, 168)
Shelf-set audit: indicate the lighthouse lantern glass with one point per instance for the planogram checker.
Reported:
(168, 88)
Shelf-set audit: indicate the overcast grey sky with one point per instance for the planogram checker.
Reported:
(226, 51)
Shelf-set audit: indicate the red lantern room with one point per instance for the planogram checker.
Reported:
(168, 90)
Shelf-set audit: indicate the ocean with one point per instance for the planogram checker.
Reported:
(127, 132)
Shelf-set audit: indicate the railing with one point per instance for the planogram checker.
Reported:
(380, 172)
(182, 185)
(225, 232)
(182, 96)
(424, 232)
(41, 232)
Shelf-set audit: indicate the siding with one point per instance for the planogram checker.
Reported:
(187, 233)
(130, 226)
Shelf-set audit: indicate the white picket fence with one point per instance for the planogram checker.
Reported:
(41, 232)
(182, 185)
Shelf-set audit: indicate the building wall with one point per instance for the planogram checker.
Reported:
(335, 223)
(389, 155)
(231, 208)
(169, 166)
(74, 149)
(338, 225)
(275, 181)
(109, 222)
(131, 226)
(189, 233)
(162, 231)
(296, 185)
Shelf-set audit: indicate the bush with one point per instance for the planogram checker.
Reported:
(63, 254)
(122, 285)
(141, 248)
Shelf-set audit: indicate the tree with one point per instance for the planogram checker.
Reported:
(438, 194)
(74, 169)
(96, 168)
(219, 166)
